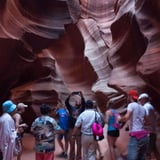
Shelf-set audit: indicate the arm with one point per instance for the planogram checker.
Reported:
(83, 103)
(67, 104)
(61, 131)
(77, 126)
(107, 115)
(146, 117)
(126, 117)
(56, 128)
(17, 118)
(75, 131)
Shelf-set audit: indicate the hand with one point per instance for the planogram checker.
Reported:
(119, 118)
(80, 93)
(73, 136)
(20, 130)
(25, 125)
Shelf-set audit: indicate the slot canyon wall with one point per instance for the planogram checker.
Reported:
(102, 48)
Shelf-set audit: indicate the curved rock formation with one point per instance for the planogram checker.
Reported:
(103, 48)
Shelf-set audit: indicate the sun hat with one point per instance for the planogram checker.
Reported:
(22, 105)
(8, 106)
(133, 93)
(143, 95)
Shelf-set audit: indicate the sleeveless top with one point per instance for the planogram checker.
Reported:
(112, 120)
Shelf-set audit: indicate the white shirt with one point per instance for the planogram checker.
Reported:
(85, 121)
(138, 114)
(8, 136)
(151, 122)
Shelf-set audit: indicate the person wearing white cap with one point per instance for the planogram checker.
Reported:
(18, 116)
(150, 125)
(19, 123)
(7, 130)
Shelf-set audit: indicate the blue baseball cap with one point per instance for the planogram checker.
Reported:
(8, 106)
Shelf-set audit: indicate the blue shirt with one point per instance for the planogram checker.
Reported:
(62, 118)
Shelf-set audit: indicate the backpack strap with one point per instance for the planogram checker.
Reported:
(116, 124)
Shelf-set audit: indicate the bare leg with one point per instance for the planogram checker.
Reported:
(112, 147)
(66, 143)
(72, 146)
(79, 146)
(99, 151)
(60, 144)
(20, 154)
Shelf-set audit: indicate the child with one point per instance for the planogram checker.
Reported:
(63, 116)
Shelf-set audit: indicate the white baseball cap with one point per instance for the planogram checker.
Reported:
(143, 95)
(22, 105)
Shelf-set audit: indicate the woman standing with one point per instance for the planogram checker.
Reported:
(111, 118)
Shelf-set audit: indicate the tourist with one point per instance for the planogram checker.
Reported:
(139, 139)
(7, 130)
(20, 125)
(63, 115)
(84, 123)
(75, 108)
(150, 126)
(113, 130)
(43, 129)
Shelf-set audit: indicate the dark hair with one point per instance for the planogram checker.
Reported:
(45, 109)
(111, 104)
(89, 104)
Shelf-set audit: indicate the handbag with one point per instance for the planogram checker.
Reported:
(97, 129)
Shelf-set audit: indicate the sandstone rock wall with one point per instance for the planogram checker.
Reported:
(103, 48)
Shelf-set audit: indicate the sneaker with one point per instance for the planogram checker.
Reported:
(65, 155)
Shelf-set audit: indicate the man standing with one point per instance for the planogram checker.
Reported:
(20, 125)
(144, 100)
(7, 130)
(136, 115)
(84, 122)
(43, 129)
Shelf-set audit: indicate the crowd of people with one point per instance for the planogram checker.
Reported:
(71, 124)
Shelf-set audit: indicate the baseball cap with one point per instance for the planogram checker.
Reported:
(8, 106)
(22, 105)
(143, 95)
(133, 93)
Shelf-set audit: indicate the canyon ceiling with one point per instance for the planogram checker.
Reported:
(102, 48)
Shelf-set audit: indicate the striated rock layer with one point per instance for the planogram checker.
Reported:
(102, 48)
